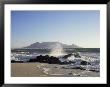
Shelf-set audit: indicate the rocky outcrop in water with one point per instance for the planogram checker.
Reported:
(56, 60)
(66, 56)
(46, 59)
(76, 55)
(85, 63)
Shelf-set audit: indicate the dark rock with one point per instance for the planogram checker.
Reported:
(32, 60)
(85, 63)
(69, 55)
(70, 73)
(12, 61)
(53, 60)
(46, 59)
(77, 55)
(94, 70)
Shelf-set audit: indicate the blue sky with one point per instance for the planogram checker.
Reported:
(71, 27)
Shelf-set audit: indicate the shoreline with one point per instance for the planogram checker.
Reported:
(35, 69)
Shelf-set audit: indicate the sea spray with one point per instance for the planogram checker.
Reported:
(57, 50)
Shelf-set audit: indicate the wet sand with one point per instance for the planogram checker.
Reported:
(47, 70)
(25, 70)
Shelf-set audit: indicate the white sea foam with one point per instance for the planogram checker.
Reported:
(92, 58)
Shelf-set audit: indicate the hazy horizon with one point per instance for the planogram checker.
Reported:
(81, 28)
(54, 41)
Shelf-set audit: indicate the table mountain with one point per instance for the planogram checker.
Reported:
(50, 45)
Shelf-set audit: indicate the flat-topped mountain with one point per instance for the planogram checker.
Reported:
(50, 45)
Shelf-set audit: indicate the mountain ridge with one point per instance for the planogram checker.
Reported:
(50, 45)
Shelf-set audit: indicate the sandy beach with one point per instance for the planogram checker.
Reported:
(48, 70)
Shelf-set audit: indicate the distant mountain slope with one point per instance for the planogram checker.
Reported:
(50, 45)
